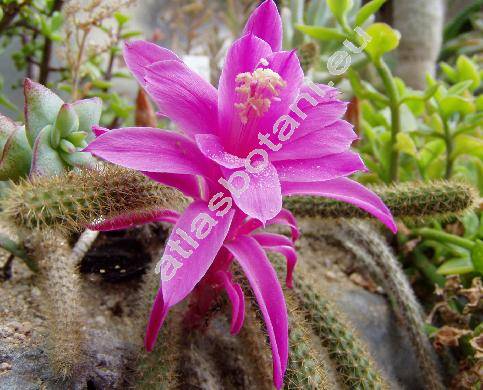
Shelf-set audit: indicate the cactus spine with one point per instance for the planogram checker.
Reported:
(352, 361)
(73, 201)
(306, 368)
(413, 201)
(364, 241)
(158, 369)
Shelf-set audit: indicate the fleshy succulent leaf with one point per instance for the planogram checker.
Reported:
(16, 153)
(67, 120)
(89, 112)
(41, 108)
(46, 160)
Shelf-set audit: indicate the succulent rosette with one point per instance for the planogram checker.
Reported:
(263, 134)
(58, 131)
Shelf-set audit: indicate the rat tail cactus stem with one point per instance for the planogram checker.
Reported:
(353, 362)
(306, 368)
(74, 201)
(364, 241)
(412, 201)
(60, 285)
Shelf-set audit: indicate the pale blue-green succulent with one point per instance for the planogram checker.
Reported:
(53, 136)
(16, 152)
(58, 131)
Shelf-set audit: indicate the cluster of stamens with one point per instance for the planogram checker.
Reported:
(258, 89)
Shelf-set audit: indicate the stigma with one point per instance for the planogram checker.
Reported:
(258, 90)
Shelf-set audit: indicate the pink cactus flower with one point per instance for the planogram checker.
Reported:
(262, 135)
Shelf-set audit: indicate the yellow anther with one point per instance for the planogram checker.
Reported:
(259, 89)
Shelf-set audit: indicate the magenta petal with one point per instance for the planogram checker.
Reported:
(235, 294)
(332, 139)
(241, 314)
(345, 190)
(262, 197)
(268, 292)
(272, 239)
(156, 319)
(149, 149)
(98, 130)
(244, 137)
(320, 169)
(179, 284)
(284, 217)
(318, 117)
(183, 96)
(138, 55)
(291, 256)
(243, 56)
(210, 145)
(130, 220)
(280, 244)
(265, 23)
(187, 184)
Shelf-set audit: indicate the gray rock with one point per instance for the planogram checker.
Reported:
(374, 321)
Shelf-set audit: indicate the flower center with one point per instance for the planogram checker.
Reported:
(258, 90)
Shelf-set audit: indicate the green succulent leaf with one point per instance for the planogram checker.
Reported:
(67, 147)
(77, 137)
(477, 256)
(322, 33)
(468, 145)
(449, 72)
(368, 10)
(46, 160)
(460, 87)
(384, 39)
(121, 18)
(67, 120)
(456, 104)
(406, 144)
(457, 266)
(89, 112)
(16, 153)
(41, 108)
(79, 160)
(340, 8)
(468, 70)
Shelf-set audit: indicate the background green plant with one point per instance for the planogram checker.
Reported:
(409, 135)
(83, 68)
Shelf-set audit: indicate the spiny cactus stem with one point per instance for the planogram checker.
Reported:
(61, 302)
(413, 201)
(444, 237)
(352, 361)
(306, 369)
(73, 201)
(17, 250)
(372, 250)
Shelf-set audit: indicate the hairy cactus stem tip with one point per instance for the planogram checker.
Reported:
(410, 201)
(77, 199)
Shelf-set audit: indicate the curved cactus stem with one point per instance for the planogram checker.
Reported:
(414, 202)
(371, 250)
(61, 302)
(353, 363)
